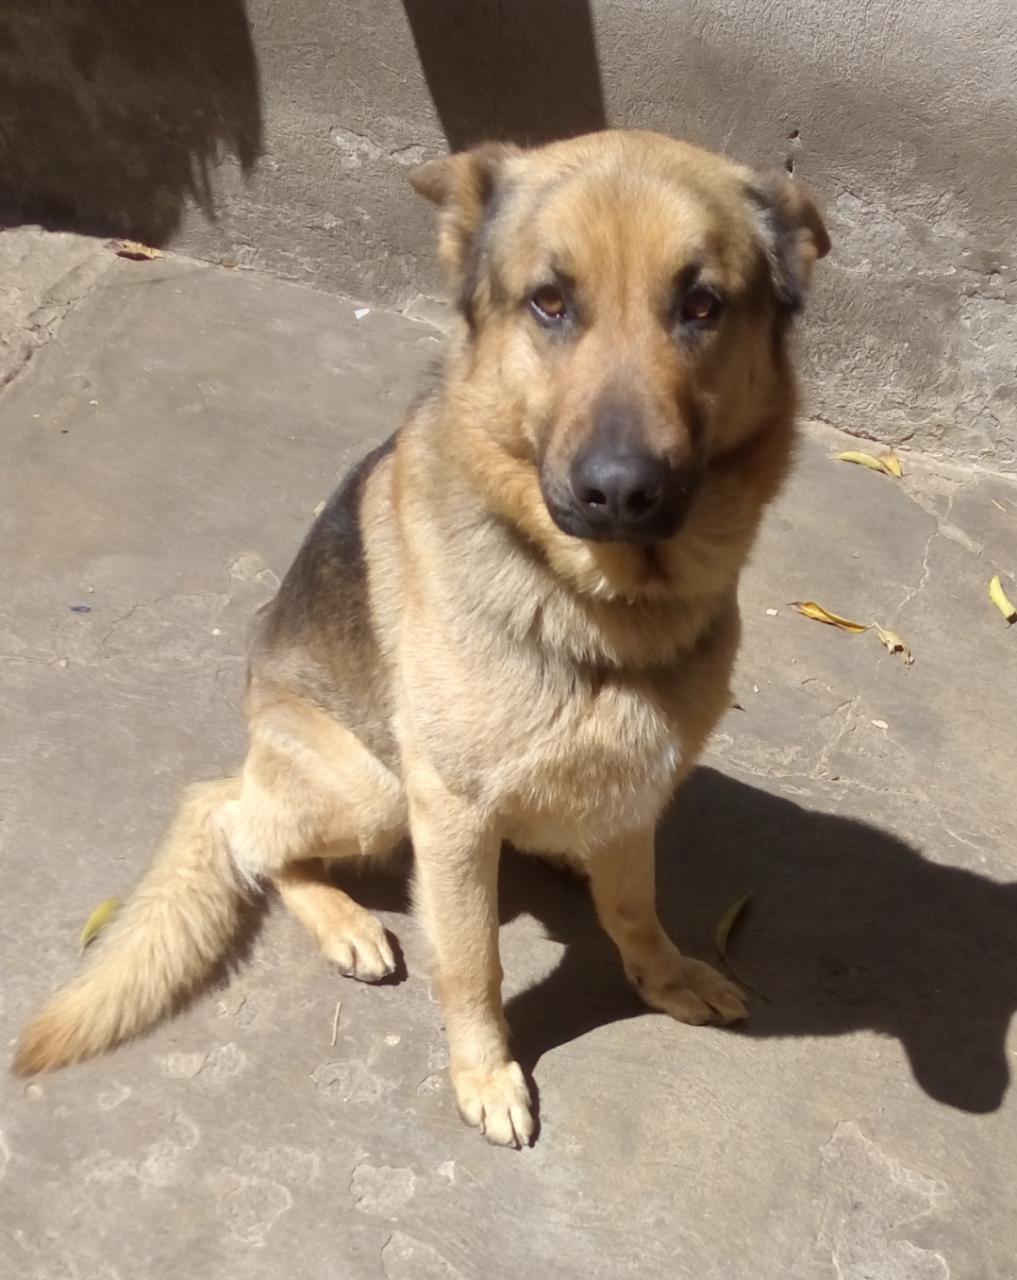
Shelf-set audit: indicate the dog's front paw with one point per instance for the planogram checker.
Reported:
(496, 1102)
(692, 991)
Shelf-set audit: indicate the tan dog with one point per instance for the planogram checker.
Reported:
(516, 620)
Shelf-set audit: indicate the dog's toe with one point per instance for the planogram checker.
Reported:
(497, 1103)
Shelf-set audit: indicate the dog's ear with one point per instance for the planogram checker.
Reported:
(793, 236)
(463, 186)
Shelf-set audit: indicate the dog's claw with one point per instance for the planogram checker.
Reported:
(497, 1103)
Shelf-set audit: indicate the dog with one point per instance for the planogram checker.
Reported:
(516, 620)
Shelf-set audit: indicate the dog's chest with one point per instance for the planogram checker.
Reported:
(584, 764)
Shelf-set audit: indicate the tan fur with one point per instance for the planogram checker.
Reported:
(444, 661)
(174, 929)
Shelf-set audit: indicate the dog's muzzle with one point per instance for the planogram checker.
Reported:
(623, 496)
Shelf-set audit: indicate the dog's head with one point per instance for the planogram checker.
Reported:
(625, 299)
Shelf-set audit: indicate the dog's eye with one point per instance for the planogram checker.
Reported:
(701, 307)
(548, 305)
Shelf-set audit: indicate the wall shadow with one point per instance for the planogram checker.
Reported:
(112, 114)
(849, 929)
(523, 72)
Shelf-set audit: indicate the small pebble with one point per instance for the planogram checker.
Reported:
(81, 608)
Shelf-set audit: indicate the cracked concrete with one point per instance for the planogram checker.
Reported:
(169, 435)
(43, 275)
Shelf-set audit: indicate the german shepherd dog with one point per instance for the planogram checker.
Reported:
(516, 620)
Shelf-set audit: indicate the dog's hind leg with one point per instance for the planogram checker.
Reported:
(310, 788)
(348, 935)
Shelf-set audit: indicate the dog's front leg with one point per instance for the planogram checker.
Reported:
(457, 853)
(622, 879)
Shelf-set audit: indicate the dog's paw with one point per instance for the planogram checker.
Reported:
(694, 992)
(497, 1103)
(360, 949)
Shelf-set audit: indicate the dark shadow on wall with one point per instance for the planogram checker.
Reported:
(524, 71)
(849, 929)
(113, 112)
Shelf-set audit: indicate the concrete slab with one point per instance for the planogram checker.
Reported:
(165, 450)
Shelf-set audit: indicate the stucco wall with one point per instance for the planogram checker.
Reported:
(279, 137)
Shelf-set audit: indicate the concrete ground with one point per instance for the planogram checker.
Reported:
(169, 428)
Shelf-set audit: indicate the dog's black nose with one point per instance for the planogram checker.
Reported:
(627, 495)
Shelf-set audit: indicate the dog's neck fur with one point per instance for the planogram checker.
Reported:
(495, 580)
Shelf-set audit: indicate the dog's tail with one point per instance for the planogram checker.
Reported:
(169, 935)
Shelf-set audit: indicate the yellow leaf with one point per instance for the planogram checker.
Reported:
(1002, 602)
(98, 921)
(137, 251)
(727, 922)
(888, 463)
(722, 935)
(818, 614)
(893, 643)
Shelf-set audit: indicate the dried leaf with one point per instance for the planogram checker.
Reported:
(893, 643)
(888, 463)
(818, 614)
(727, 922)
(335, 1023)
(136, 251)
(1002, 601)
(722, 936)
(98, 921)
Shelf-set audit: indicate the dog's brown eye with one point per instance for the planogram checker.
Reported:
(549, 304)
(701, 307)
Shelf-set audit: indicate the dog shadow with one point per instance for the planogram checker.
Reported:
(848, 929)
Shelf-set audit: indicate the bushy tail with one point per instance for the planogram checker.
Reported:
(169, 935)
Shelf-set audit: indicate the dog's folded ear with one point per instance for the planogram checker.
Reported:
(793, 235)
(463, 186)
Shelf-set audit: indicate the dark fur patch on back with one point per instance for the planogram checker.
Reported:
(317, 636)
(326, 584)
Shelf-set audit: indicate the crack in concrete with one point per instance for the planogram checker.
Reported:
(941, 527)
(57, 303)
(820, 770)
(118, 622)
